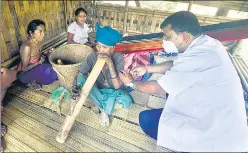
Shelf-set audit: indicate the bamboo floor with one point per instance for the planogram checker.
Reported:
(33, 128)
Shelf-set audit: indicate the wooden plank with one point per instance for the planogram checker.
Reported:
(230, 5)
(8, 29)
(15, 22)
(4, 51)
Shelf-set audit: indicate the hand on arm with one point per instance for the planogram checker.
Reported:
(158, 68)
(150, 87)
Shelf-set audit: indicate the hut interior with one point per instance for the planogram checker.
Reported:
(33, 128)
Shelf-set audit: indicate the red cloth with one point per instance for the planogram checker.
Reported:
(31, 61)
(133, 60)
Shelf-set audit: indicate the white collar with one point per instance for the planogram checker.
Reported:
(194, 42)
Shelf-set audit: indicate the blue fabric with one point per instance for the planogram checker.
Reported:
(246, 103)
(149, 120)
(146, 76)
(106, 98)
(107, 35)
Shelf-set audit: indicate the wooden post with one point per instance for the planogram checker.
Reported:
(65, 13)
(144, 27)
(222, 12)
(190, 5)
(125, 17)
(137, 3)
(70, 118)
(94, 15)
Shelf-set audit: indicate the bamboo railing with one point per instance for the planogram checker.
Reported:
(142, 20)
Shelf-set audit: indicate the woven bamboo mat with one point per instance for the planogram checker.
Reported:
(142, 101)
(86, 134)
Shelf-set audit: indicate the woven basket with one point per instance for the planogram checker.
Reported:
(72, 55)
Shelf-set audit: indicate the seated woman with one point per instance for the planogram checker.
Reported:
(106, 94)
(78, 30)
(32, 70)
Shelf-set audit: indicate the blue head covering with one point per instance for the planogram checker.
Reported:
(107, 35)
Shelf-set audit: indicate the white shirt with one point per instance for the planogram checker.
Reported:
(80, 34)
(205, 110)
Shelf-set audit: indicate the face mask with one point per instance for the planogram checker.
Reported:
(170, 48)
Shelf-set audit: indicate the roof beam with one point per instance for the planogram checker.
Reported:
(229, 5)
(222, 12)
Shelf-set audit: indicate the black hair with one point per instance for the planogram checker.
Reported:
(183, 21)
(32, 26)
(80, 10)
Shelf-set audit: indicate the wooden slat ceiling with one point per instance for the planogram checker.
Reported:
(241, 5)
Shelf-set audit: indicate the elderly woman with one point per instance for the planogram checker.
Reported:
(31, 69)
(78, 30)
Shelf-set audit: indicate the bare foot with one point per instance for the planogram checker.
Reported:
(104, 119)
(3, 129)
(118, 106)
(35, 85)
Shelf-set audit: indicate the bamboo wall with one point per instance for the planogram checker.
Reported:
(58, 14)
(16, 15)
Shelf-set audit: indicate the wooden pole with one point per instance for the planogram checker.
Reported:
(94, 16)
(65, 13)
(137, 3)
(70, 118)
(125, 17)
(190, 5)
(222, 12)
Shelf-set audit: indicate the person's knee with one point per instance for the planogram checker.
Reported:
(143, 118)
(81, 79)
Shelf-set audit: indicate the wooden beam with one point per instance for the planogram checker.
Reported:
(222, 12)
(229, 5)
(125, 17)
(138, 3)
(94, 15)
(65, 13)
(190, 5)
